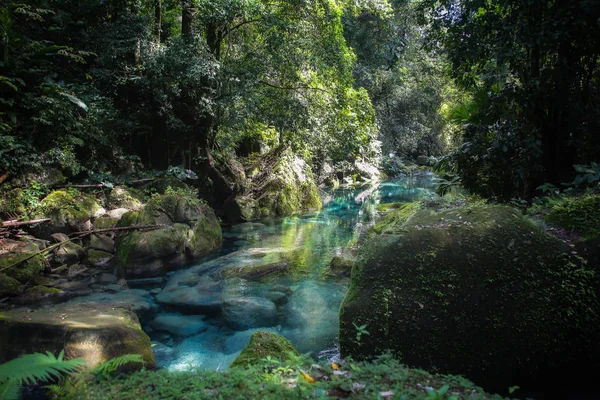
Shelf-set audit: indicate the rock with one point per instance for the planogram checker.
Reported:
(253, 271)
(58, 238)
(241, 208)
(100, 213)
(38, 293)
(188, 291)
(20, 260)
(310, 317)
(342, 264)
(94, 332)
(117, 213)
(124, 197)
(98, 258)
(70, 211)
(102, 242)
(180, 325)
(136, 300)
(105, 279)
(478, 291)
(76, 270)
(163, 354)
(192, 231)
(145, 281)
(236, 342)
(105, 222)
(9, 286)
(69, 253)
(247, 312)
(263, 344)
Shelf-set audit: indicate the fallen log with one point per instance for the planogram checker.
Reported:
(15, 223)
(120, 229)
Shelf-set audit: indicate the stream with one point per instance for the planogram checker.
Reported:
(272, 274)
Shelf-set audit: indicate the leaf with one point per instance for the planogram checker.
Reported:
(75, 100)
(31, 368)
(10, 390)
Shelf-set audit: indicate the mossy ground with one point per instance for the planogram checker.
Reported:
(281, 380)
(581, 214)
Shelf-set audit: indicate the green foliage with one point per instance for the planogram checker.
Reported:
(530, 110)
(107, 369)
(581, 214)
(32, 368)
(276, 380)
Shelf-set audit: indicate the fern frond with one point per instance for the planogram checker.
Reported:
(10, 390)
(31, 368)
(108, 367)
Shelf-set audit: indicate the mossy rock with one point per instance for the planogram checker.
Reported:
(69, 209)
(581, 214)
(191, 231)
(37, 293)
(263, 344)
(254, 271)
(9, 286)
(162, 184)
(95, 332)
(105, 222)
(290, 188)
(124, 197)
(479, 291)
(21, 260)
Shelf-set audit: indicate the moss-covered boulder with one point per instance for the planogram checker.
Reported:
(124, 197)
(286, 186)
(191, 230)
(9, 286)
(581, 214)
(478, 291)
(92, 331)
(20, 261)
(69, 209)
(263, 344)
(241, 208)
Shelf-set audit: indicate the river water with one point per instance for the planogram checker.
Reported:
(207, 312)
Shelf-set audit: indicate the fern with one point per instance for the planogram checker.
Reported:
(105, 370)
(32, 368)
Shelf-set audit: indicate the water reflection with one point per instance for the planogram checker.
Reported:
(272, 275)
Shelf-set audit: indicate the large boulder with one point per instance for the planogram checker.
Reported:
(94, 332)
(70, 210)
(124, 197)
(20, 263)
(191, 230)
(246, 312)
(263, 344)
(478, 291)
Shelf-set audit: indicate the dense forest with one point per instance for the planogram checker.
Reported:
(402, 183)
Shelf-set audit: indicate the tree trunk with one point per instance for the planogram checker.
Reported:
(188, 12)
(157, 20)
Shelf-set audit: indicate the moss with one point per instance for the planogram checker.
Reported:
(401, 214)
(311, 200)
(9, 286)
(12, 203)
(270, 381)
(124, 197)
(581, 214)
(124, 247)
(389, 207)
(105, 223)
(483, 278)
(288, 202)
(130, 218)
(23, 271)
(95, 257)
(263, 344)
(41, 290)
(68, 206)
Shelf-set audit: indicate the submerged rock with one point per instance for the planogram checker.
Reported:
(478, 291)
(96, 333)
(262, 344)
(247, 312)
(180, 325)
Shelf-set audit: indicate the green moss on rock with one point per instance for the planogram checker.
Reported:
(394, 221)
(68, 208)
(263, 344)
(9, 286)
(20, 260)
(477, 291)
(125, 197)
(581, 214)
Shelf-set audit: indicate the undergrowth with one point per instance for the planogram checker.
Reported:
(272, 379)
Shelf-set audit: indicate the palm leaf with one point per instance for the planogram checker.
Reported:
(31, 368)
(10, 390)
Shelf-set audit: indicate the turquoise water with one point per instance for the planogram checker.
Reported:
(205, 314)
